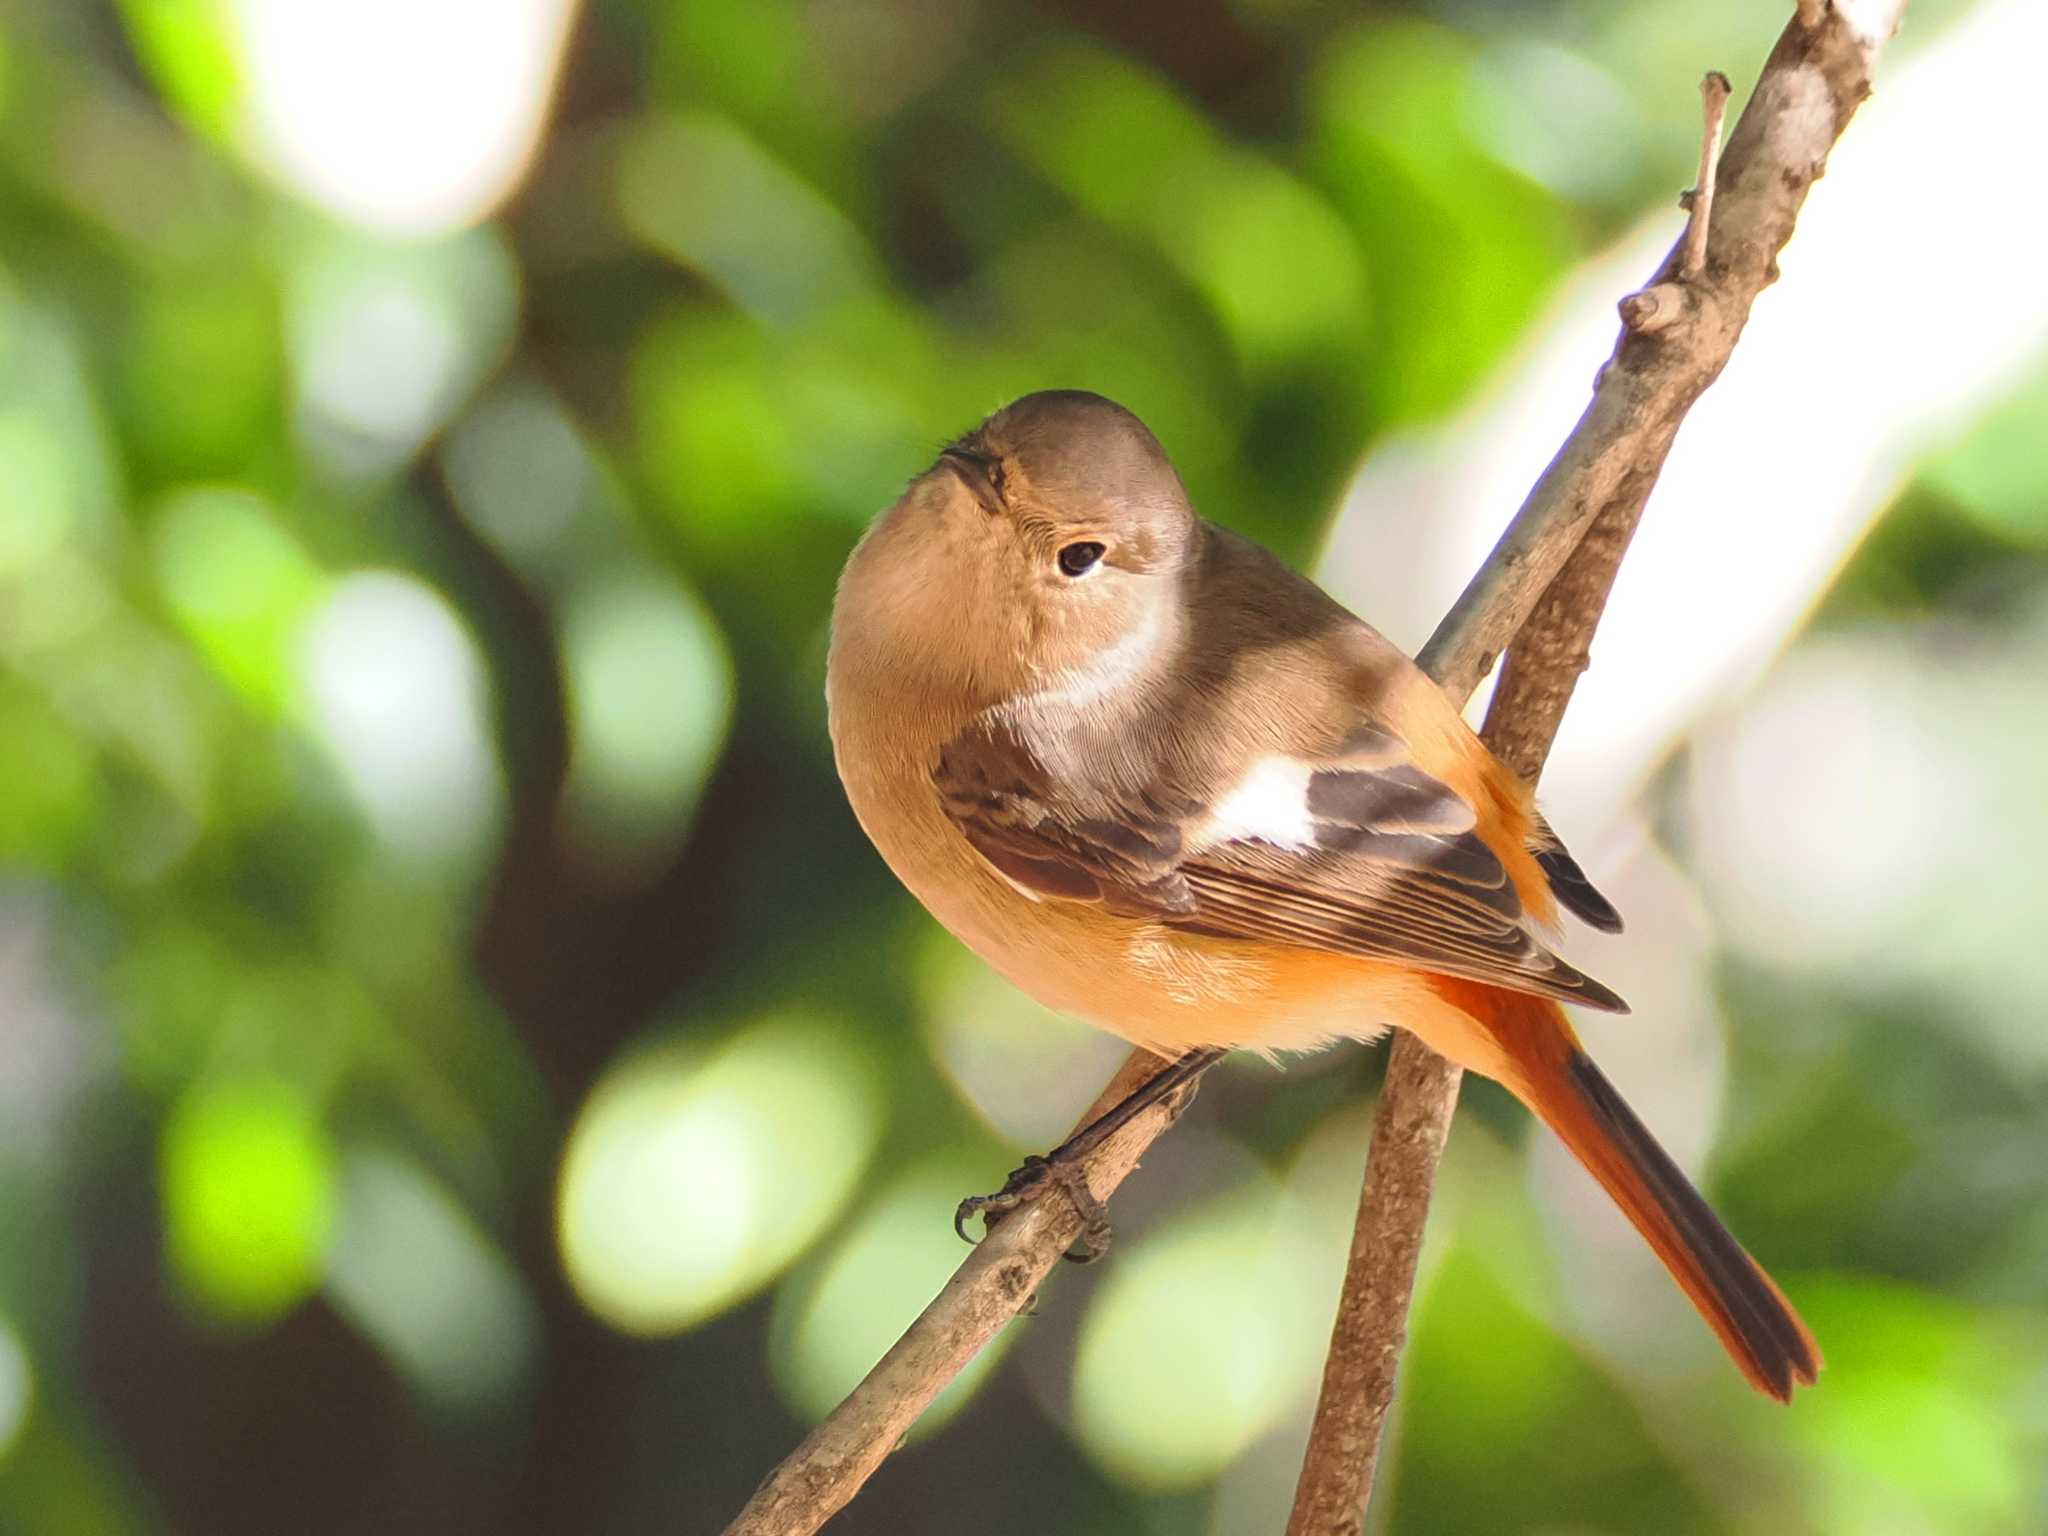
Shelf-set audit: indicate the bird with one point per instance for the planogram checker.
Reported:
(1160, 780)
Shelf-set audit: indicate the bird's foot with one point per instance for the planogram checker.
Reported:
(1029, 1183)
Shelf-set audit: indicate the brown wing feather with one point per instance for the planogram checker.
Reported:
(1346, 905)
(1568, 883)
(1398, 872)
(1002, 798)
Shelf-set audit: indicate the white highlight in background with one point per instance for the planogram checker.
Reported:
(411, 1269)
(1898, 320)
(1891, 326)
(395, 689)
(17, 1388)
(410, 117)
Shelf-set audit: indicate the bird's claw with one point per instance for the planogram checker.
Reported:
(1029, 1183)
(1019, 1189)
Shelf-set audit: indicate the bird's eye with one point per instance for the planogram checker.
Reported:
(1076, 559)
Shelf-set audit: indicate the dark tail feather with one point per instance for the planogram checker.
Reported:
(1574, 892)
(1762, 1333)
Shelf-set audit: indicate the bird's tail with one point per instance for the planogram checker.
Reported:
(1756, 1324)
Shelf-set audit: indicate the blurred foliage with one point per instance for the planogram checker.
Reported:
(461, 1068)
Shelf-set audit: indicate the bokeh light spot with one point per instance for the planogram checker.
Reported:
(1916, 1430)
(411, 1269)
(520, 473)
(248, 1196)
(388, 340)
(1164, 1395)
(395, 688)
(690, 1180)
(650, 696)
(36, 494)
(1996, 473)
(239, 583)
(1555, 115)
(703, 193)
(1025, 1069)
(17, 1388)
(460, 88)
(833, 1324)
(188, 47)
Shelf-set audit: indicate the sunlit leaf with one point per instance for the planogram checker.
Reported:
(691, 1180)
(833, 1323)
(17, 1387)
(393, 684)
(699, 191)
(1916, 1419)
(1997, 474)
(1163, 1396)
(650, 694)
(248, 1197)
(1485, 1387)
(241, 585)
(410, 1268)
(387, 340)
(1460, 250)
(189, 49)
(36, 492)
(49, 794)
(202, 373)
(713, 424)
(1276, 265)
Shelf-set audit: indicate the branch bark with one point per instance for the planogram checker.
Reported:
(1677, 335)
(1602, 475)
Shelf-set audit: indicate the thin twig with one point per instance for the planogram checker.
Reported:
(1598, 483)
(1421, 1090)
(996, 1282)
(1714, 91)
(1609, 462)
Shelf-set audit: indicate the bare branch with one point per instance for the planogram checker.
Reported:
(1811, 84)
(1678, 333)
(1603, 473)
(1655, 308)
(1408, 1134)
(1714, 89)
(997, 1281)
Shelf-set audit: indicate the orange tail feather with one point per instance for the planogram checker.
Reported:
(1756, 1324)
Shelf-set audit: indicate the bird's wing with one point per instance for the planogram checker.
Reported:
(1357, 851)
(1119, 852)
(1568, 883)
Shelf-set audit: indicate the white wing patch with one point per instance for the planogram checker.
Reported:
(1269, 805)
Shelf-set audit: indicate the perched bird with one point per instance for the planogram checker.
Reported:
(1158, 779)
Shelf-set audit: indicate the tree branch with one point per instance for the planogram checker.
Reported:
(1604, 472)
(1677, 335)
(996, 1282)
(1714, 92)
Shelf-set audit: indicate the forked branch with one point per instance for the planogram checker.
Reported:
(1677, 334)
(1599, 480)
